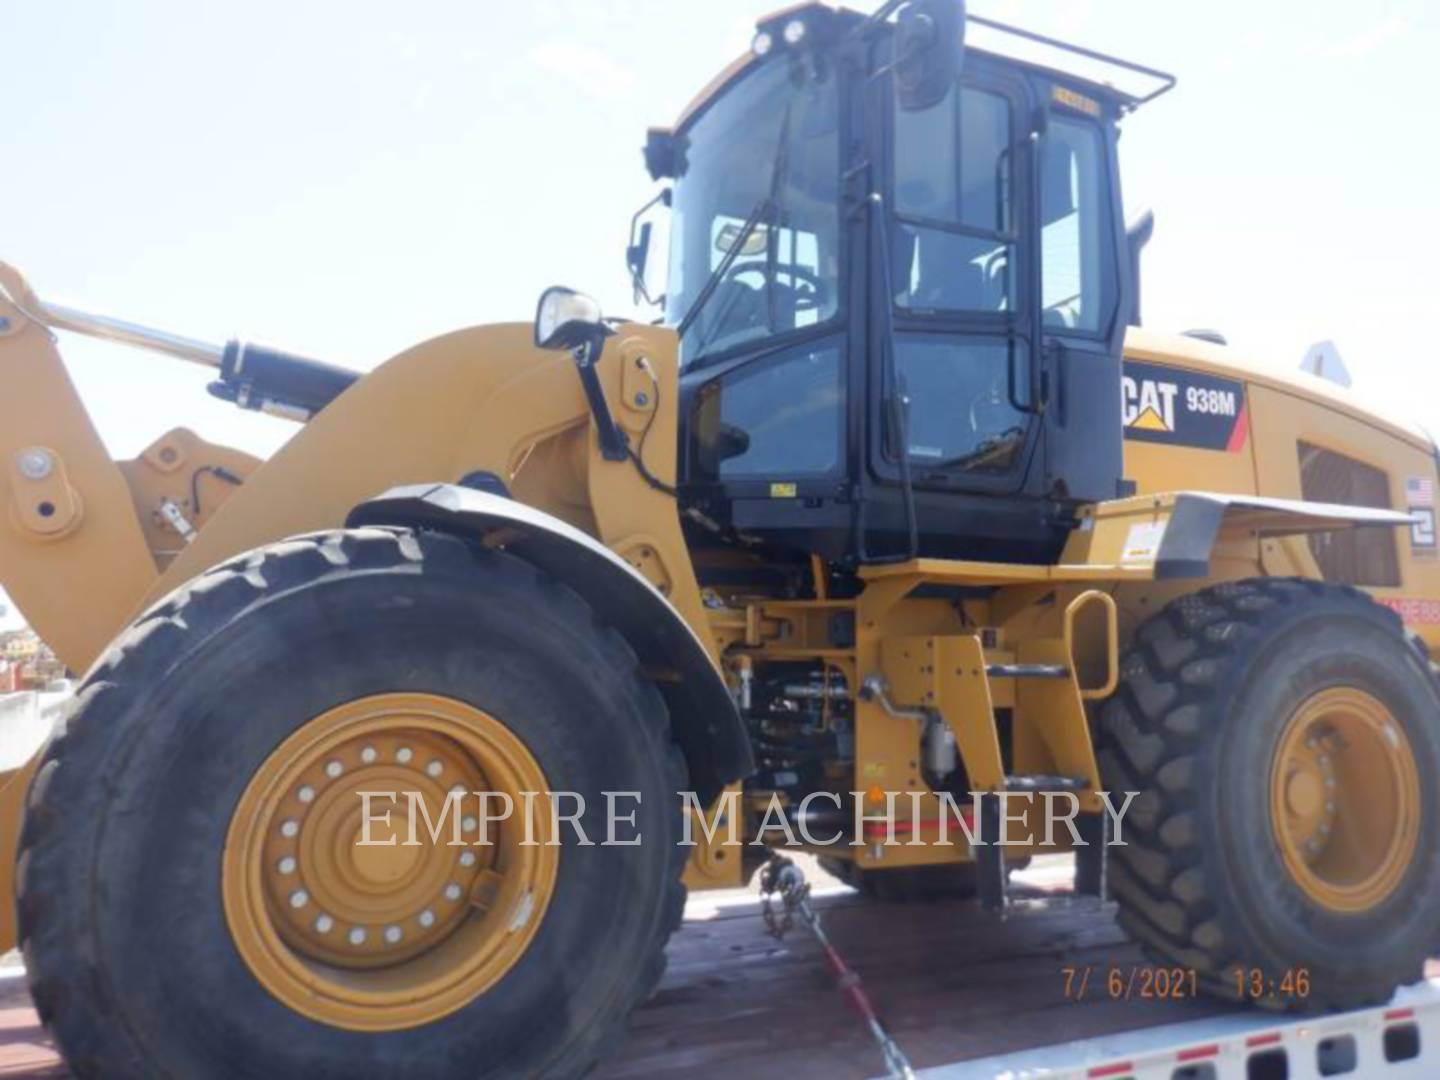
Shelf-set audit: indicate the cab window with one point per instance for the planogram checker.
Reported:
(796, 252)
(958, 412)
(1078, 286)
(779, 416)
(951, 246)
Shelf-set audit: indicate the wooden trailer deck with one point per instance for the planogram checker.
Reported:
(951, 983)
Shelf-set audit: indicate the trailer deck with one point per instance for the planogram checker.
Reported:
(950, 983)
(952, 986)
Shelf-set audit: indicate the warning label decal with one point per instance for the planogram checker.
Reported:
(1183, 408)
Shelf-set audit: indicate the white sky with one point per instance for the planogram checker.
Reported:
(347, 178)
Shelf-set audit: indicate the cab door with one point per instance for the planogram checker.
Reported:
(959, 282)
(1081, 285)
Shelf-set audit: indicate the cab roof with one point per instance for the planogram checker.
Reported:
(1128, 85)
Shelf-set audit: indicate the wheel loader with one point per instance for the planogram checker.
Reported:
(896, 520)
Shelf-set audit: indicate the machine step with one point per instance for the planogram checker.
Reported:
(1039, 782)
(1027, 671)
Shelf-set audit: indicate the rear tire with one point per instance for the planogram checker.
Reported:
(1209, 690)
(131, 960)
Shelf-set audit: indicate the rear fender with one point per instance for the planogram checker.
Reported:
(1200, 519)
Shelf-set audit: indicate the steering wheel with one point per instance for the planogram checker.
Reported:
(811, 291)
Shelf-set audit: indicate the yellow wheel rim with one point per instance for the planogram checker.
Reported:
(1345, 800)
(379, 936)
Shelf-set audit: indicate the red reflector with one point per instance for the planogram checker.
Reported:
(878, 828)
(1400, 1014)
(1263, 1040)
(1196, 1053)
(1118, 1069)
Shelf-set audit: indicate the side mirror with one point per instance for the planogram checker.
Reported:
(566, 319)
(929, 51)
(637, 252)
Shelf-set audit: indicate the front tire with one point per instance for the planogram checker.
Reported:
(1284, 739)
(135, 832)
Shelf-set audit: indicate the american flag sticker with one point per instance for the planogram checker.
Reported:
(1419, 491)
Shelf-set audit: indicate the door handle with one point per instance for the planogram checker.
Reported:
(1035, 402)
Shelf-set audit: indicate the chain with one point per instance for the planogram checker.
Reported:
(781, 877)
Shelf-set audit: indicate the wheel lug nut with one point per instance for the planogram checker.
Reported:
(289, 829)
(299, 898)
(452, 891)
(393, 934)
(334, 769)
(287, 864)
(306, 794)
(404, 754)
(467, 858)
(324, 924)
(368, 755)
(434, 769)
(426, 918)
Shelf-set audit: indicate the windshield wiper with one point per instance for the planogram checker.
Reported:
(766, 210)
(762, 210)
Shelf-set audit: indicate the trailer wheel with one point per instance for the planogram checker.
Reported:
(194, 902)
(1284, 739)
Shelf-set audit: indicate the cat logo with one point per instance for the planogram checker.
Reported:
(1148, 404)
(1177, 407)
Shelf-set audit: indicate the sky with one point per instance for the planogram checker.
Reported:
(344, 179)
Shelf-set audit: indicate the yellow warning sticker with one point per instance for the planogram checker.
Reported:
(782, 491)
(1142, 542)
(1063, 95)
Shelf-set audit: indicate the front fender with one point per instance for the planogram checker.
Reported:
(706, 723)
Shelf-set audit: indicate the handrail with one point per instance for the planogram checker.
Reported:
(1166, 79)
(1112, 641)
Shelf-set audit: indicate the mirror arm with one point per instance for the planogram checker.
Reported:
(613, 444)
(877, 18)
(637, 253)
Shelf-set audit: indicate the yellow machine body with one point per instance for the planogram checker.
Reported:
(89, 545)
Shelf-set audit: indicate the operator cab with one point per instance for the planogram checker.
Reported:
(900, 312)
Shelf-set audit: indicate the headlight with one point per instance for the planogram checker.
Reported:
(762, 44)
(566, 319)
(794, 32)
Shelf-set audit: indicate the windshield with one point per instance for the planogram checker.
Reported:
(755, 231)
